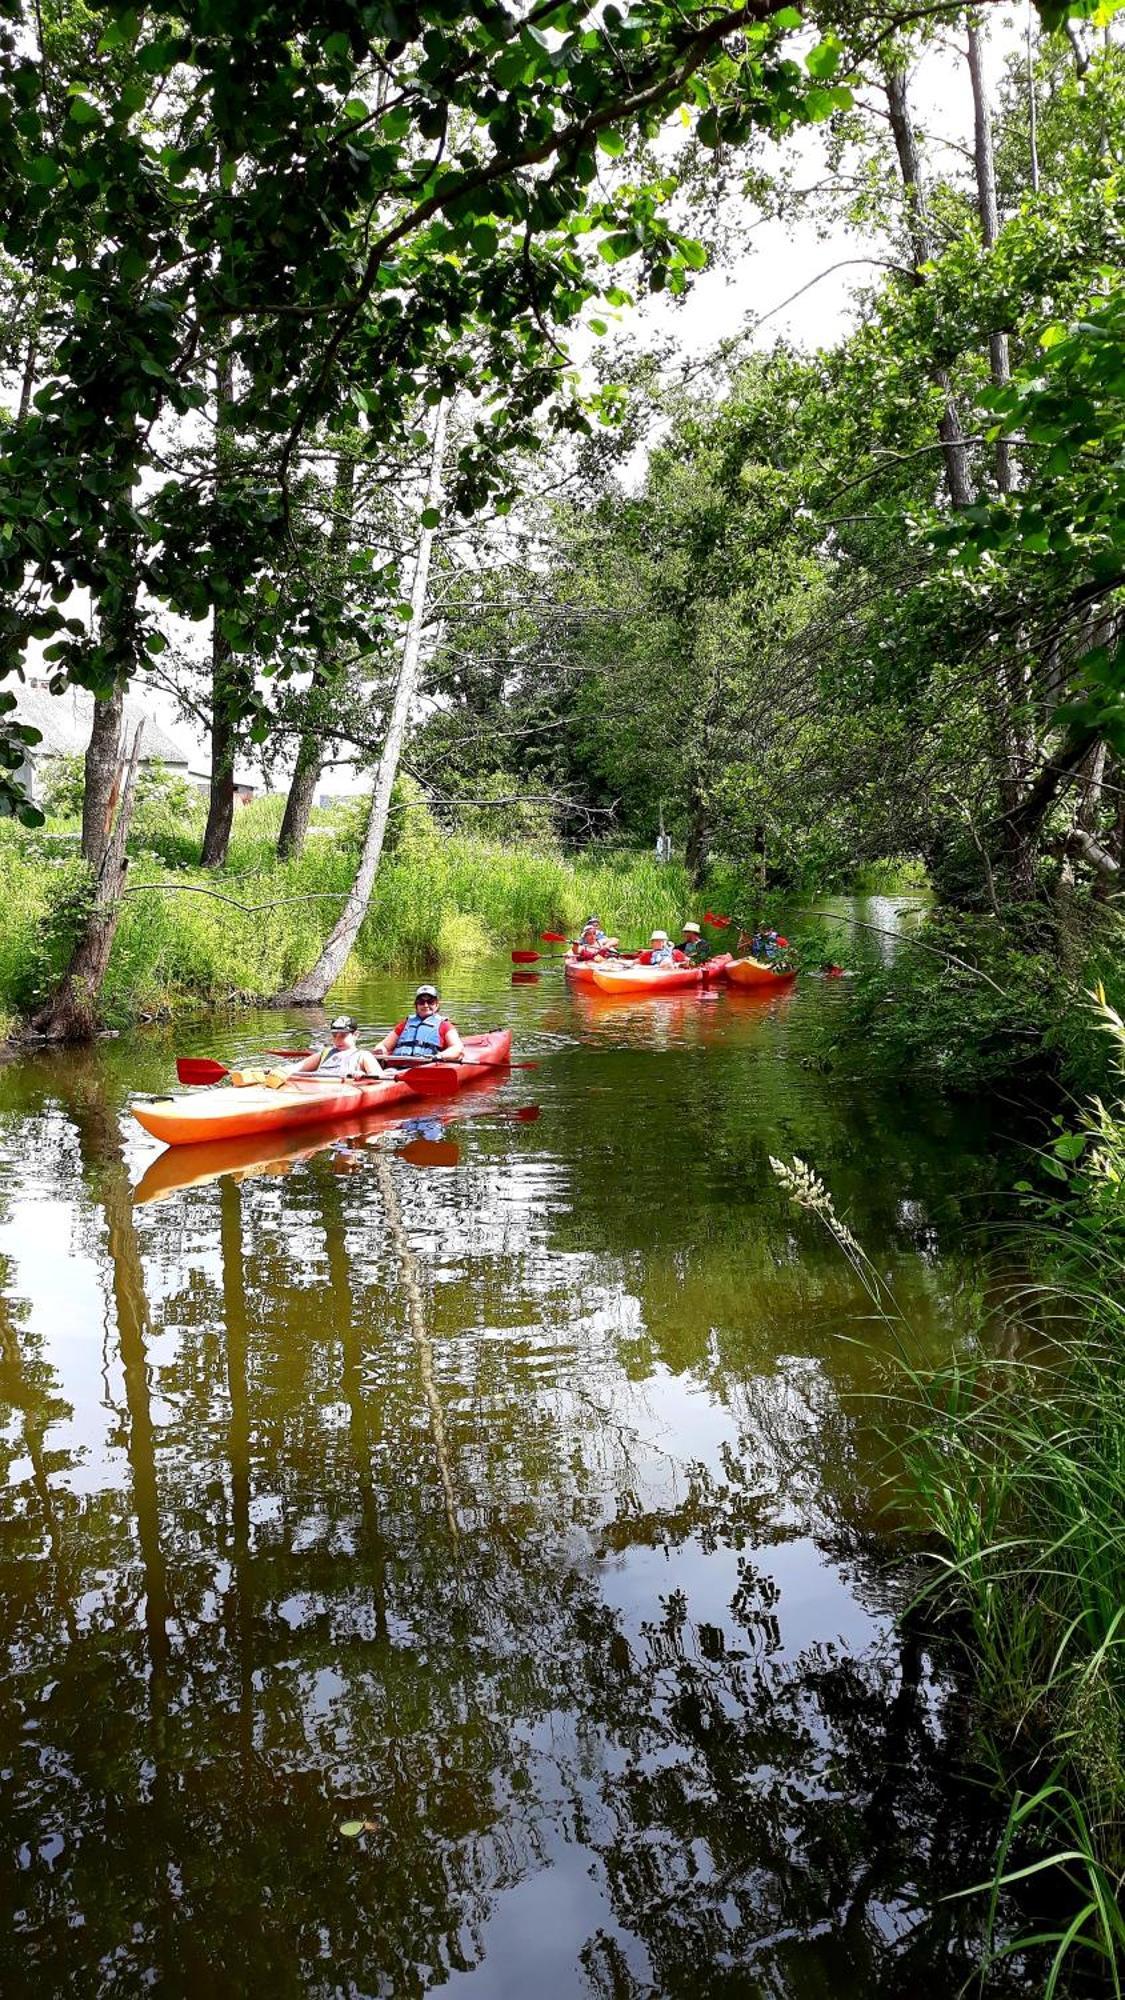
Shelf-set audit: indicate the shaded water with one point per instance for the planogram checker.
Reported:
(496, 1481)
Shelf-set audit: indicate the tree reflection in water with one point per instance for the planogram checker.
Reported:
(397, 1534)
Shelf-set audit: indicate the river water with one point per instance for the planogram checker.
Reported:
(453, 1554)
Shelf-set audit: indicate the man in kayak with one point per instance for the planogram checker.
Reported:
(425, 1035)
(341, 1058)
(694, 945)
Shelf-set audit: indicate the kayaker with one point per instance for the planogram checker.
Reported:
(425, 1034)
(341, 1058)
(591, 941)
(694, 945)
(660, 951)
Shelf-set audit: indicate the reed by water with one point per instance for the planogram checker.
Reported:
(1014, 1470)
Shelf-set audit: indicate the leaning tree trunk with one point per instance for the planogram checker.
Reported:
(71, 1014)
(101, 775)
(310, 750)
(120, 647)
(312, 987)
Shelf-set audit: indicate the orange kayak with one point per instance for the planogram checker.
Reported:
(751, 972)
(640, 980)
(580, 971)
(239, 1114)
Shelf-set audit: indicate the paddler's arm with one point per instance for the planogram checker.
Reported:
(454, 1047)
(387, 1046)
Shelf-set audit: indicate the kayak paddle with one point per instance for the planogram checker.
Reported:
(436, 1079)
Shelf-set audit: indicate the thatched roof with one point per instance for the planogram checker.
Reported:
(64, 722)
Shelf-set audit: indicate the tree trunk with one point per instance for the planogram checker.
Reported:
(302, 797)
(1032, 108)
(224, 736)
(698, 849)
(225, 683)
(102, 773)
(312, 987)
(958, 475)
(310, 751)
(989, 212)
(71, 1014)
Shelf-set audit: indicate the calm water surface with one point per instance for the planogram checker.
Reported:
(502, 1481)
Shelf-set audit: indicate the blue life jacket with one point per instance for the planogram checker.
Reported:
(662, 955)
(420, 1038)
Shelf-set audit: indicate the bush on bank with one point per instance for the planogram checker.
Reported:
(182, 941)
(971, 1001)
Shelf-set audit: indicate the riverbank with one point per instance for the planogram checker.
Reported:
(973, 1002)
(190, 937)
(1014, 1467)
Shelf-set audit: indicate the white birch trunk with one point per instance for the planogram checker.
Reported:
(310, 989)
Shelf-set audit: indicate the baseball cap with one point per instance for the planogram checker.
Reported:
(344, 1024)
(426, 993)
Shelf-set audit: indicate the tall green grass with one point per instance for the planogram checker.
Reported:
(181, 940)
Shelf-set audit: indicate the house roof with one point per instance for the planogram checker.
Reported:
(64, 722)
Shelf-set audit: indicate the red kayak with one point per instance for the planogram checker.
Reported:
(302, 1100)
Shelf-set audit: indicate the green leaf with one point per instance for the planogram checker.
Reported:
(45, 172)
(431, 517)
(82, 112)
(485, 239)
(1071, 1146)
(611, 142)
(824, 60)
(789, 17)
(352, 1828)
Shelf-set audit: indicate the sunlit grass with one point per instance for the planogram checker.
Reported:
(438, 899)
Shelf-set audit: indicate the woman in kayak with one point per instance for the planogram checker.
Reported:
(342, 1058)
(425, 1034)
(592, 941)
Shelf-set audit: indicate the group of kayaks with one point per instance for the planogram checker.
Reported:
(620, 977)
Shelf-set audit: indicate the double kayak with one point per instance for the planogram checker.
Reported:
(305, 1100)
(642, 979)
(751, 972)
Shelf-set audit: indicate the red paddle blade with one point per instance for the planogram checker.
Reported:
(431, 1080)
(525, 978)
(552, 937)
(525, 958)
(430, 1153)
(199, 1069)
